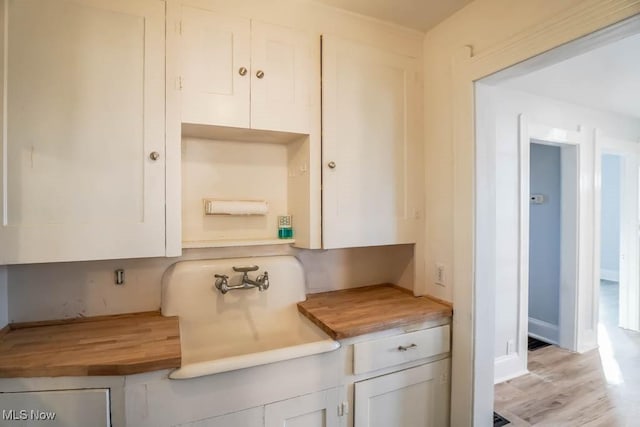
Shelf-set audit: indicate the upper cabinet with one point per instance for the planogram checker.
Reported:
(216, 57)
(243, 73)
(371, 175)
(82, 148)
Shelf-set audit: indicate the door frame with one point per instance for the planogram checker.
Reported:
(570, 143)
(580, 28)
(629, 151)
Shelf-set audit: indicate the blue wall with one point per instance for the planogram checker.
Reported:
(544, 234)
(610, 219)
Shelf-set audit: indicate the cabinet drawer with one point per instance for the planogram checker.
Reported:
(398, 349)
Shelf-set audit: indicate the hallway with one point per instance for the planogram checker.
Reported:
(598, 388)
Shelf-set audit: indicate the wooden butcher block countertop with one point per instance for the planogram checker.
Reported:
(106, 345)
(352, 312)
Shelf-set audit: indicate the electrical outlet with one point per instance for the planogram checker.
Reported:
(440, 276)
(511, 346)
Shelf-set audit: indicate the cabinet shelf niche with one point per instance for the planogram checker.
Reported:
(243, 164)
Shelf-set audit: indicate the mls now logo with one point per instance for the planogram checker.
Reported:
(30, 415)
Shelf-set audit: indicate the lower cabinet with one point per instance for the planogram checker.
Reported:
(311, 410)
(416, 397)
(59, 408)
(248, 418)
(318, 409)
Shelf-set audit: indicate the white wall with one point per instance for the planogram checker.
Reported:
(610, 219)
(506, 106)
(544, 237)
(66, 290)
(4, 298)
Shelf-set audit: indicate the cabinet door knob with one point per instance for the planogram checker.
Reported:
(260, 74)
(331, 164)
(242, 71)
(154, 155)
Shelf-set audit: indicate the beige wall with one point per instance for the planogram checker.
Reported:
(65, 290)
(482, 24)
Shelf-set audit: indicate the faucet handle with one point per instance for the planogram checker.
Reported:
(263, 281)
(246, 269)
(221, 282)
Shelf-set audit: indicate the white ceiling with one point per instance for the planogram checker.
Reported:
(417, 14)
(607, 78)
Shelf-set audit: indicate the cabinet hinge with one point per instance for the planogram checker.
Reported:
(179, 83)
(179, 27)
(343, 409)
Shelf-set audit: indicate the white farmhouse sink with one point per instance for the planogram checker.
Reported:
(242, 328)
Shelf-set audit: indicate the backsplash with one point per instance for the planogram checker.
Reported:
(67, 290)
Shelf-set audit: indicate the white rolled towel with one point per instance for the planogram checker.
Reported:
(235, 207)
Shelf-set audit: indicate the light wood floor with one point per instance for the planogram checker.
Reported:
(598, 388)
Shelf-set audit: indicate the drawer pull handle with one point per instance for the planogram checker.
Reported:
(405, 348)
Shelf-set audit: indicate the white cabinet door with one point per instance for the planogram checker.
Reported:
(416, 397)
(253, 417)
(280, 73)
(312, 410)
(63, 408)
(370, 145)
(216, 68)
(242, 73)
(83, 111)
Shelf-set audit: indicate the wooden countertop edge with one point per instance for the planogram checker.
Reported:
(90, 370)
(164, 360)
(109, 317)
(405, 320)
(367, 329)
(439, 301)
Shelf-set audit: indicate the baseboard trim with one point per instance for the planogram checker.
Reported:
(610, 275)
(508, 367)
(544, 331)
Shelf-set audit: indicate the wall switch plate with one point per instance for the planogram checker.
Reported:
(440, 276)
(511, 346)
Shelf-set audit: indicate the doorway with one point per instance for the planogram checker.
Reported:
(617, 220)
(476, 262)
(610, 214)
(545, 171)
(497, 106)
(553, 232)
(571, 316)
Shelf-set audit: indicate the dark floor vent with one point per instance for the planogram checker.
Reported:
(499, 420)
(535, 344)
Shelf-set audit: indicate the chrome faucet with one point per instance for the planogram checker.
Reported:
(261, 282)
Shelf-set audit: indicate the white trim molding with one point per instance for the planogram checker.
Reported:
(610, 275)
(544, 331)
(508, 367)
